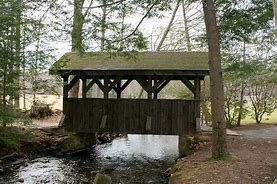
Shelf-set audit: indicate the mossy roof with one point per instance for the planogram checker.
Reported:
(91, 61)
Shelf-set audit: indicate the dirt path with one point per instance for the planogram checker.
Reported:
(52, 121)
(255, 160)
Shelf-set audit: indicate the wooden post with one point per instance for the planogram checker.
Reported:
(65, 88)
(118, 92)
(149, 83)
(197, 96)
(65, 96)
(106, 87)
(84, 87)
(197, 88)
(155, 92)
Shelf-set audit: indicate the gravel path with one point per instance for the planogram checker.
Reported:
(265, 132)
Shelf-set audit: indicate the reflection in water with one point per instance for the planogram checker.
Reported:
(135, 159)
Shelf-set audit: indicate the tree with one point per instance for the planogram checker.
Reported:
(111, 31)
(275, 11)
(238, 31)
(186, 26)
(219, 149)
(77, 36)
(236, 76)
(262, 96)
(9, 63)
(18, 47)
(232, 100)
(169, 26)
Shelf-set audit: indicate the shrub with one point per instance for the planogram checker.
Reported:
(40, 110)
(10, 115)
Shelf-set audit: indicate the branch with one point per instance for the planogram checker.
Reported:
(136, 28)
(86, 12)
(104, 5)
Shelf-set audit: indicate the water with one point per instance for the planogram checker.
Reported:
(135, 159)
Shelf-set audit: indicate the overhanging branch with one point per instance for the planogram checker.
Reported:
(136, 28)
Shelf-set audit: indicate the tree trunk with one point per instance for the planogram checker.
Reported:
(275, 12)
(186, 26)
(78, 22)
(219, 149)
(17, 51)
(77, 37)
(122, 26)
(258, 119)
(168, 27)
(242, 90)
(103, 25)
(241, 103)
(4, 90)
(24, 71)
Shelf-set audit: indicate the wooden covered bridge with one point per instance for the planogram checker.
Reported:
(153, 71)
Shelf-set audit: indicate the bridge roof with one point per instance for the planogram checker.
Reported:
(74, 63)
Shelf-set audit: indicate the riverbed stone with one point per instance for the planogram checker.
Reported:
(20, 180)
(102, 179)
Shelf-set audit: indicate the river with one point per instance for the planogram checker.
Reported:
(133, 160)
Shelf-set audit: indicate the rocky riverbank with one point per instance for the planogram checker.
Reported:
(20, 144)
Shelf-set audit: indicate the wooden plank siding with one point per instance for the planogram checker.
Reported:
(168, 117)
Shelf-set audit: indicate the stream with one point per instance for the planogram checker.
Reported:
(133, 160)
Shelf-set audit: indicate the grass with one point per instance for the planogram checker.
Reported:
(272, 118)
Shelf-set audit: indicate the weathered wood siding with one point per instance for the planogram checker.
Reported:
(168, 117)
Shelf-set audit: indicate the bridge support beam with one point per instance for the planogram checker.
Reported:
(197, 96)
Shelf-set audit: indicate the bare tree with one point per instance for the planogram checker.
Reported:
(186, 26)
(169, 26)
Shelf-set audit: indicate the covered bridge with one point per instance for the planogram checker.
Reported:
(152, 70)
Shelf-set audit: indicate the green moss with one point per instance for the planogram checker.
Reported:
(68, 144)
(73, 142)
(144, 61)
(275, 181)
(175, 168)
(62, 62)
(102, 179)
